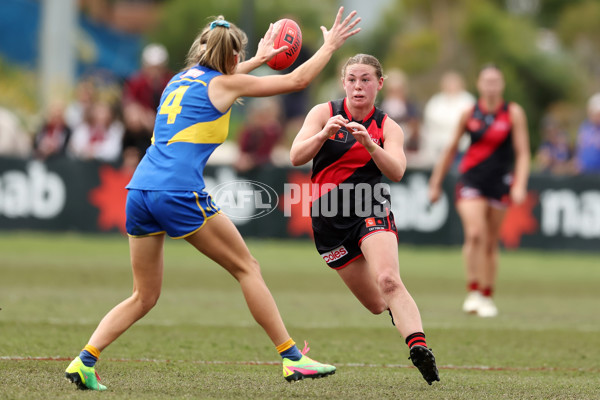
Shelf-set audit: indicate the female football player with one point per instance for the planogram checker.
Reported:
(352, 143)
(167, 197)
(487, 185)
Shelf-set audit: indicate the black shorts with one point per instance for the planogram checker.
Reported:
(495, 191)
(339, 247)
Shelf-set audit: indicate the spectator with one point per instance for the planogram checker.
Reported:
(85, 95)
(587, 158)
(554, 154)
(398, 107)
(51, 140)
(138, 133)
(100, 137)
(14, 141)
(146, 86)
(441, 115)
(260, 134)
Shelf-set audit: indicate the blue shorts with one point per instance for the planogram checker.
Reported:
(178, 213)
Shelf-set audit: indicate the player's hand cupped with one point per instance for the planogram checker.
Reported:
(361, 135)
(265, 50)
(332, 126)
(341, 29)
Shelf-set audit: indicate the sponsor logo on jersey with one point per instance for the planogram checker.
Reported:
(340, 136)
(193, 73)
(372, 222)
(334, 254)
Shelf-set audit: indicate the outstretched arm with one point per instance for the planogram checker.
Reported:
(225, 89)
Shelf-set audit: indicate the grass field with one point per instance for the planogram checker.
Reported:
(201, 342)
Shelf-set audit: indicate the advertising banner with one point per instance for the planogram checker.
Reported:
(70, 195)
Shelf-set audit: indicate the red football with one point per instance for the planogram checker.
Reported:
(290, 36)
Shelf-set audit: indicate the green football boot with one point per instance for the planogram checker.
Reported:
(305, 367)
(84, 377)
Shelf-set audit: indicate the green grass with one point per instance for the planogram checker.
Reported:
(54, 289)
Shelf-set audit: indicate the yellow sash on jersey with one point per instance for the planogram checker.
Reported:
(204, 132)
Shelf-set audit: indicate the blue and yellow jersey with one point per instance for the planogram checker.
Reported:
(187, 130)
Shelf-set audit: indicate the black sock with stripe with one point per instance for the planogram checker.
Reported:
(416, 339)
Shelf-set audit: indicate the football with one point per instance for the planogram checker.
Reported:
(291, 36)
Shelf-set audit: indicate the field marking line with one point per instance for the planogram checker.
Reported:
(351, 365)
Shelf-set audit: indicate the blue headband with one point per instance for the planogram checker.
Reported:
(219, 22)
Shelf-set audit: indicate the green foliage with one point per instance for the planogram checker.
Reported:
(415, 51)
(19, 90)
(581, 21)
(579, 29)
(552, 11)
(427, 37)
(534, 79)
(182, 20)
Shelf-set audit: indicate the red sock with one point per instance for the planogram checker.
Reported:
(416, 339)
(487, 291)
(473, 286)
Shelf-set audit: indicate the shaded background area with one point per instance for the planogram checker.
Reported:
(548, 50)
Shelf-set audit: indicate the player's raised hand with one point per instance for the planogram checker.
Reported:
(341, 29)
(265, 49)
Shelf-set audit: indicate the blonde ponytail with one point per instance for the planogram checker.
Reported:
(215, 47)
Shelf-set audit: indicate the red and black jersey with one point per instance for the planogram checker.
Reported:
(342, 160)
(490, 156)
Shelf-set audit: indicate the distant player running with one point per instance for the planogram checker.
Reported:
(352, 143)
(167, 196)
(499, 140)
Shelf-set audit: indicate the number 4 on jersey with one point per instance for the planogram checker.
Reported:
(172, 104)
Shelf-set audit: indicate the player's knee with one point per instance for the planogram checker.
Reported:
(474, 236)
(248, 266)
(388, 284)
(252, 265)
(146, 301)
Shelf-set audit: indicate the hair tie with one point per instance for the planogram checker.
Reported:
(219, 22)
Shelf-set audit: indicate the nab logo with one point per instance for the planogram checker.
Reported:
(340, 136)
(289, 36)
